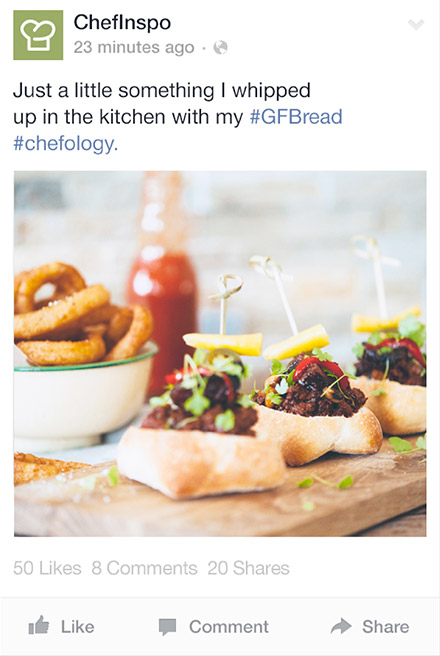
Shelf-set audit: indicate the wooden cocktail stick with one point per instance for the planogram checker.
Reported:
(224, 294)
(272, 270)
(371, 251)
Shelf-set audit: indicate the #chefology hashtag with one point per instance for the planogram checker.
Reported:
(61, 143)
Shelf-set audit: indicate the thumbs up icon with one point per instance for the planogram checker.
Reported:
(37, 35)
(40, 626)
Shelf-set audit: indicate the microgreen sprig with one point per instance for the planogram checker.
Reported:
(404, 446)
(113, 476)
(380, 390)
(225, 421)
(345, 482)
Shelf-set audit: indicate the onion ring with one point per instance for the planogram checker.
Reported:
(118, 326)
(62, 313)
(100, 316)
(49, 300)
(17, 282)
(139, 330)
(112, 322)
(64, 277)
(48, 353)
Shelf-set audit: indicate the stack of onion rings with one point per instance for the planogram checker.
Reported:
(65, 278)
(77, 324)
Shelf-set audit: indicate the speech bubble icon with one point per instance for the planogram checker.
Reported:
(167, 625)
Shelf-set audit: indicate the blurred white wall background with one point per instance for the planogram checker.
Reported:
(303, 220)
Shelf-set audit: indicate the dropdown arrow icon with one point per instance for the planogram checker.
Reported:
(414, 25)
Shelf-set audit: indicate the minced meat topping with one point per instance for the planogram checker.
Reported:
(313, 394)
(205, 396)
(176, 418)
(395, 365)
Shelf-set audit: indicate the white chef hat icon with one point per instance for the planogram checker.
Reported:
(41, 43)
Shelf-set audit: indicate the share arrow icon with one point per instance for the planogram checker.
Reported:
(342, 626)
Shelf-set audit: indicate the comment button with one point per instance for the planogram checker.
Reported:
(167, 625)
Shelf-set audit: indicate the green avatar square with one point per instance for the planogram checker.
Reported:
(38, 34)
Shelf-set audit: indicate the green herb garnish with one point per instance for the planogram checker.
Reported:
(385, 349)
(225, 421)
(413, 329)
(274, 398)
(190, 367)
(246, 371)
(308, 505)
(227, 366)
(199, 357)
(189, 382)
(113, 476)
(346, 482)
(376, 337)
(322, 355)
(358, 349)
(307, 482)
(399, 445)
(277, 367)
(289, 378)
(197, 403)
(245, 401)
(378, 392)
(404, 446)
(160, 400)
(421, 442)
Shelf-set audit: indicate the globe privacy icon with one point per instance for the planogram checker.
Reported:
(38, 34)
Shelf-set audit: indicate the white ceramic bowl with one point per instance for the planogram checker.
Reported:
(67, 407)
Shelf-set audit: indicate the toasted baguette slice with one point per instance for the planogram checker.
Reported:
(187, 464)
(28, 467)
(302, 439)
(401, 411)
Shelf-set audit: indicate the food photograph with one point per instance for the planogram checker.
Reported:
(220, 354)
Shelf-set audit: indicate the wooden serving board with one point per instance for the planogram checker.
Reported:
(385, 485)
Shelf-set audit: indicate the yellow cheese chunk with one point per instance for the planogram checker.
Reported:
(364, 324)
(241, 344)
(307, 340)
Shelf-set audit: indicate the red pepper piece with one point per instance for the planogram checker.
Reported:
(326, 365)
(177, 376)
(411, 347)
(229, 385)
(204, 371)
(413, 350)
(303, 366)
(337, 371)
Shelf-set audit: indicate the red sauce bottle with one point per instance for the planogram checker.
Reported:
(162, 276)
